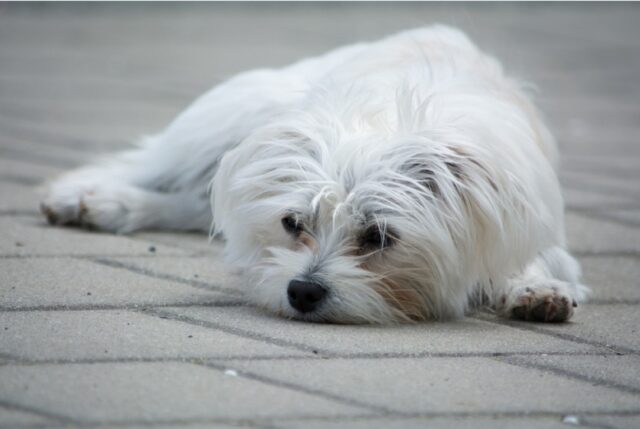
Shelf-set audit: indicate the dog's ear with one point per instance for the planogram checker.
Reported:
(260, 167)
(432, 174)
(451, 171)
(297, 141)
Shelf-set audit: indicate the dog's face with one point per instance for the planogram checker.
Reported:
(368, 229)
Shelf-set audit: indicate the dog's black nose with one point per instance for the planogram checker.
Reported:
(305, 296)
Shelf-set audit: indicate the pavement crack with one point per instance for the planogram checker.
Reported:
(232, 330)
(163, 276)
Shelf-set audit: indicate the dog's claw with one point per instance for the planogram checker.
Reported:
(52, 218)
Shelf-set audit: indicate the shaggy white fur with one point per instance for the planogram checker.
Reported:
(404, 179)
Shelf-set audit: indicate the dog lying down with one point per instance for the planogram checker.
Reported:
(399, 180)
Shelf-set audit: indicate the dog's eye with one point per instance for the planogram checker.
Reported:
(291, 225)
(374, 239)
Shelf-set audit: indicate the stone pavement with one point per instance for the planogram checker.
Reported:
(149, 331)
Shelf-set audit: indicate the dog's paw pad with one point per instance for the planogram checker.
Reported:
(543, 305)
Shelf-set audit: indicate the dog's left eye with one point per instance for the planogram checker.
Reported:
(291, 225)
(374, 239)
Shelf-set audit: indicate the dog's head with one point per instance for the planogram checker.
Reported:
(358, 225)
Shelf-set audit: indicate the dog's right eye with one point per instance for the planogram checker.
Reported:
(291, 225)
(374, 239)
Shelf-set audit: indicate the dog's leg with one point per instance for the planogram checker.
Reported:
(138, 189)
(161, 184)
(102, 198)
(547, 291)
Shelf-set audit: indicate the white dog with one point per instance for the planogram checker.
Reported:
(404, 179)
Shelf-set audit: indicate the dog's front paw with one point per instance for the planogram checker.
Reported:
(549, 303)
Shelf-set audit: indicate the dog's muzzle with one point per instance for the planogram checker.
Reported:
(305, 296)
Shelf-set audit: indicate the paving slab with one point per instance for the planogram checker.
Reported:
(620, 372)
(12, 418)
(475, 422)
(119, 334)
(585, 234)
(577, 200)
(432, 385)
(630, 216)
(209, 424)
(78, 283)
(618, 422)
(18, 198)
(467, 336)
(194, 241)
(28, 125)
(609, 184)
(25, 172)
(616, 326)
(614, 165)
(206, 271)
(32, 236)
(612, 279)
(51, 155)
(155, 392)
(74, 123)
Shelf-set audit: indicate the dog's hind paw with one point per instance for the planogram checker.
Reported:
(107, 208)
(63, 205)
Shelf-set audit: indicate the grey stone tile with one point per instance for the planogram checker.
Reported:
(611, 185)
(626, 216)
(431, 385)
(621, 372)
(29, 124)
(154, 392)
(580, 200)
(454, 337)
(573, 108)
(589, 235)
(612, 278)
(623, 142)
(26, 172)
(208, 270)
(474, 422)
(194, 241)
(18, 198)
(620, 140)
(65, 282)
(12, 418)
(617, 422)
(615, 165)
(50, 155)
(211, 424)
(38, 238)
(616, 326)
(119, 334)
(78, 123)
(97, 91)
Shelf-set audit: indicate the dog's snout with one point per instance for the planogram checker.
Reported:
(305, 296)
